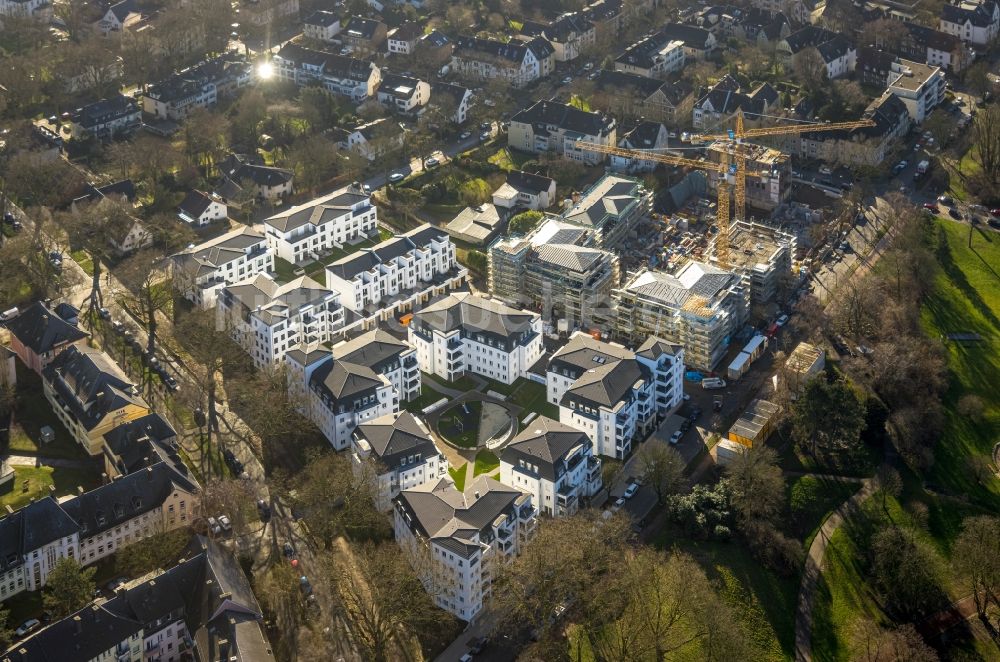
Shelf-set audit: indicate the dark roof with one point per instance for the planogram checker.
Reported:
(338, 66)
(32, 527)
(474, 313)
(396, 437)
(981, 16)
(398, 85)
(726, 97)
(620, 81)
(569, 118)
(529, 182)
(122, 9)
(42, 330)
(408, 32)
(126, 497)
(837, 47)
(436, 38)
(352, 265)
(227, 67)
(583, 352)
(377, 349)
(643, 135)
(511, 51)
(544, 443)
(540, 47)
(89, 383)
(106, 110)
(643, 53)
(318, 211)
(238, 167)
(691, 35)
(322, 18)
(363, 28)
(85, 635)
(564, 28)
(606, 384)
(195, 203)
(653, 348)
(341, 381)
(808, 36)
(137, 444)
(931, 38)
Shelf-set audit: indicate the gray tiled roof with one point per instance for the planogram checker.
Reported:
(475, 313)
(41, 330)
(545, 444)
(606, 384)
(396, 437)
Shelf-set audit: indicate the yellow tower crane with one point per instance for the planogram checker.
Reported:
(737, 137)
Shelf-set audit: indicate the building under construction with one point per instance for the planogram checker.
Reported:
(761, 255)
(768, 173)
(555, 271)
(700, 308)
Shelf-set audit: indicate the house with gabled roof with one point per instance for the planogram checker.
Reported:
(38, 334)
(201, 271)
(525, 190)
(555, 464)
(199, 208)
(397, 450)
(552, 126)
(517, 63)
(726, 98)
(403, 94)
(322, 25)
(645, 135)
(364, 35)
(404, 39)
(632, 96)
(973, 21)
(265, 182)
(654, 56)
(864, 146)
(609, 208)
(570, 34)
(464, 535)
(453, 100)
(353, 78)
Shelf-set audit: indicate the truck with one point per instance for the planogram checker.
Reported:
(713, 382)
(922, 169)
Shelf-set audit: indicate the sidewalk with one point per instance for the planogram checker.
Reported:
(58, 462)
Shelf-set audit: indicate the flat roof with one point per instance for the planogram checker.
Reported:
(803, 357)
(752, 421)
(751, 244)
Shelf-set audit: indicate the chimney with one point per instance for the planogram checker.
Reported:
(79, 489)
(78, 624)
(477, 494)
(104, 478)
(149, 473)
(52, 489)
(8, 509)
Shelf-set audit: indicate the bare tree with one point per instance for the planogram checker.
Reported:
(986, 141)
(977, 557)
(92, 227)
(662, 468)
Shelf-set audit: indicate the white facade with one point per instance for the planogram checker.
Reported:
(268, 319)
(972, 21)
(489, 338)
(310, 231)
(463, 566)
(476, 59)
(202, 271)
(402, 94)
(322, 25)
(921, 87)
(33, 571)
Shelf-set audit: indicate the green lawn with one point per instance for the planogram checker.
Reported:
(966, 298)
(486, 462)
(34, 483)
(458, 475)
(428, 396)
(284, 271)
(81, 258)
(764, 602)
(811, 500)
(31, 414)
(463, 383)
(509, 159)
(531, 395)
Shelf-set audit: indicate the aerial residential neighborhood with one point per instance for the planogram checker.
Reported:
(412, 331)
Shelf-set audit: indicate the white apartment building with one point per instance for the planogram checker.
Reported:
(311, 230)
(654, 56)
(32, 540)
(321, 25)
(360, 380)
(398, 274)
(346, 76)
(550, 126)
(920, 87)
(201, 271)
(454, 100)
(514, 62)
(469, 333)
(974, 21)
(403, 94)
(612, 393)
(465, 536)
(399, 449)
(555, 464)
(268, 319)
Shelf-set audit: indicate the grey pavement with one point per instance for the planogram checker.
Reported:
(41, 460)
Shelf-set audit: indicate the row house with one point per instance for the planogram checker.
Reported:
(864, 146)
(38, 334)
(314, 229)
(654, 56)
(200, 272)
(92, 525)
(199, 86)
(106, 119)
(570, 35)
(397, 451)
(321, 25)
(839, 55)
(139, 444)
(750, 24)
(515, 63)
(347, 76)
(726, 98)
(203, 607)
(797, 11)
(554, 270)
(401, 273)
(555, 464)
(121, 16)
(90, 395)
(458, 540)
(631, 96)
(468, 333)
(927, 45)
(612, 393)
(973, 21)
(358, 381)
(453, 101)
(550, 126)
(403, 94)
(267, 318)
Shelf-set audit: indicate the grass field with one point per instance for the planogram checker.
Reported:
(33, 412)
(458, 475)
(428, 396)
(34, 483)
(764, 602)
(459, 426)
(966, 298)
(811, 500)
(486, 462)
(527, 394)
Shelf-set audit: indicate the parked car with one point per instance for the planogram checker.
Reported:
(676, 437)
(213, 526)
(288, 550)
(396, 177)
(484, 136)
(825, 170)
(117, 326)
(619, 502)
(305, 586)
(931, 207)
(567, 80)
(28, 627)
(432, 162)
(116, 584)
(367, 189)
(264, 510)
(224, 522)
(995, 211)
(782, 320)
(104, 313)
(171, 383)
(630, 490)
